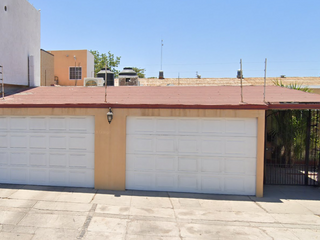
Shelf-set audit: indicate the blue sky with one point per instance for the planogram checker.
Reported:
(207, 36)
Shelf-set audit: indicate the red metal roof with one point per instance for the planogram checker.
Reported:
(226, 97)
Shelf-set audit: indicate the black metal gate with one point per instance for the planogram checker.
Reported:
(292, 147)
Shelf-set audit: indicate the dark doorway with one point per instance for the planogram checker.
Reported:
(292, 147)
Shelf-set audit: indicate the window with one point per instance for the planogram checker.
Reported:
(75, 73)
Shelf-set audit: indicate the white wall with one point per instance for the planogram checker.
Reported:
(90, 64)
(20, 41)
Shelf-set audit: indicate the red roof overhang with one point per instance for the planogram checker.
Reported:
(209, 97)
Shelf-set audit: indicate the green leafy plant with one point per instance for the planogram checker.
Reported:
(288, 129)
(100, 61)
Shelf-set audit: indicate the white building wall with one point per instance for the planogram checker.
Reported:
(90, 64)
(20, 42)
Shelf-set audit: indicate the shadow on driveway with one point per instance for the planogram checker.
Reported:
(272, 193)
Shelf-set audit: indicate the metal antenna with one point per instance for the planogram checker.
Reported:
(241, 80)
(105, 84)
(265, 80)
(161, 53)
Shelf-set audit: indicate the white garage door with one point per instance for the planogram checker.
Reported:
(57, 151)
(202, 155)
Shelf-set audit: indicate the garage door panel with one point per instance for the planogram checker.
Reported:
(165, 126)
(58, 142)
(19, 175)
(3, 141)
(233, 184)
(18, 141)
(140, 144)
(3, 123)
(236, 147)
(37, 159)
(251, 127)
(235, 166)
(165, 144)
(57, 177)
(4, 174)
(251, 147)
(81, 124)
(188, 164)
(187, 145)
(250, 185)
(38, 176)
(78, 143)
(79, 178)
(141, 125)
(38, 141)
(57, 124)
(188, 183)
(251, 166)
(204, 155)
(165, 163)
(188, 126)
(212, 146)
(18, 159)
(165, 182)
(90, 162)
(245, 147)
(212, 127)
(212, 165)
(4, 159)
(241, 127)
(77, 160)
(58, 160)
(141, 180)
(38, 123)
(245, 166)
(212, 184)
(236, 127)
(18, 123)
(140, 163)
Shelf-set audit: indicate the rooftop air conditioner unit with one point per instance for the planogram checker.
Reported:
(91, 82)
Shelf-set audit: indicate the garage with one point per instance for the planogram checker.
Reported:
(47, 150)
(200, 155)
(182, 138)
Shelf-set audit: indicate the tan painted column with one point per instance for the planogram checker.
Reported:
(260, 154)
(101, 154)
(110, 151)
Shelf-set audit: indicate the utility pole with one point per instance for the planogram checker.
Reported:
(241, 80)
(161, 54)
(265, 80)
(105, 83)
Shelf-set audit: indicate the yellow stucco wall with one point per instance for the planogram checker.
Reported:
(65, 59)
(47, 68)
(110, 139)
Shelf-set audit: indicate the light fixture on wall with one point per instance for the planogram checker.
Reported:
(110, 115)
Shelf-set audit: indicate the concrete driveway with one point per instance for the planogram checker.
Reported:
(34, 212)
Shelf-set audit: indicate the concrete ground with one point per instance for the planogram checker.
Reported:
(34, 212)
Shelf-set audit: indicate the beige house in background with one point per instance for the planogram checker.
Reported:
(47, 68)
(72, 66)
